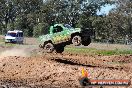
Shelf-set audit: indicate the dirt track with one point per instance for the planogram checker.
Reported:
(26, 66)
(31, 72)
(59, 70)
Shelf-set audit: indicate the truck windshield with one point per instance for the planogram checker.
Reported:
(11, 34)
(68, 26)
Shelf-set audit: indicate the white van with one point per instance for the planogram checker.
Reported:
(15, 36)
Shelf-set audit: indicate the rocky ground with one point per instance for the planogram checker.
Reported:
(26, 66)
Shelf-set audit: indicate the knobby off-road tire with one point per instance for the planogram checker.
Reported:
(76, 40)
(86, 42)
(49, 47)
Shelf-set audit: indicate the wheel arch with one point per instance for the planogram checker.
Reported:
(74, 34)
(49, 41)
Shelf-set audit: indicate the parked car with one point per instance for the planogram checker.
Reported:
(15, 36)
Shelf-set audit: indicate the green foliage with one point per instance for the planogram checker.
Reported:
(35, 16)
(37, 30)
(25, 32)
(0, 29)
(40, 29)
(92, 51)
(117, 24)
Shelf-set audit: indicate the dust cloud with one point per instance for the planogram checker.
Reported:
(14, 52)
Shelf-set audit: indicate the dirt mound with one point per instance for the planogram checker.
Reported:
(123, 59)
(55, 70)
(109, 62)
(37, 71)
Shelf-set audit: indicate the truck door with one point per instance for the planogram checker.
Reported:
(17, 37)
(21, 37)
(58, 34)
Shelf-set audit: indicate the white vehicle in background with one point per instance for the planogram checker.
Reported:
(15, 36)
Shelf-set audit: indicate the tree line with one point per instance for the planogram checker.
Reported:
(35, 16)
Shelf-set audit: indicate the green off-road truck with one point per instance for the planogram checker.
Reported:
(60, 35)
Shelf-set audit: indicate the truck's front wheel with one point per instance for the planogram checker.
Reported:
(49, 47)
(76, 40)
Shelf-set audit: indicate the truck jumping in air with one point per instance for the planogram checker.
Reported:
(60, 35)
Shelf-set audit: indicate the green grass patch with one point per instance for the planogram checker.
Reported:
(92, 51)
(2, 43)
(8, 44)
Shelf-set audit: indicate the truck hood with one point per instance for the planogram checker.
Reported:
(44, 38)
(10, 37)
(75, 30)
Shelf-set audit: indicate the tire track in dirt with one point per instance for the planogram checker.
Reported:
(120, 62)
(61, 69)
(44, 70)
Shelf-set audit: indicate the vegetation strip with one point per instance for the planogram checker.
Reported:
(91, 51)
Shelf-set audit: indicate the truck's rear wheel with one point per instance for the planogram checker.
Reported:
(86, 42)
(76, 40)
(49, 47)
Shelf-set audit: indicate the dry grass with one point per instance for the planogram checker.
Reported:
(110, 46)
